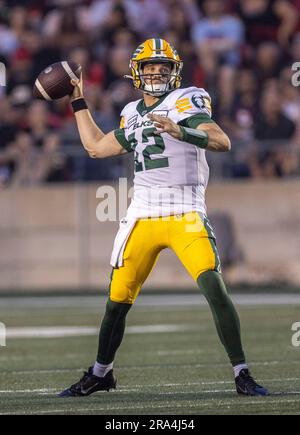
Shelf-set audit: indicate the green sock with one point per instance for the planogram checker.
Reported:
(112, 331)
(225, 316)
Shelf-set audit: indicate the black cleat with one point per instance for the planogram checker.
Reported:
(90, 384)
(247, 386)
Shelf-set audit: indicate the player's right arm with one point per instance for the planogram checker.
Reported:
(96, 143)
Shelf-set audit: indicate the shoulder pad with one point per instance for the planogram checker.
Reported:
(192, 100)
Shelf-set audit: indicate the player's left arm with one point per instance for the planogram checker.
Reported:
(207, 135)
(217, 138)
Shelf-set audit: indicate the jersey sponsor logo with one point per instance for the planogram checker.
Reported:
(183, 104)
(161, 112)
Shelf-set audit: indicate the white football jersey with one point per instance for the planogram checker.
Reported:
(171, 176)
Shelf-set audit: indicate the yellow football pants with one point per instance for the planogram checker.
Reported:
(189, 236)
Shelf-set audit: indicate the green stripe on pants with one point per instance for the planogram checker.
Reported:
(212, 239)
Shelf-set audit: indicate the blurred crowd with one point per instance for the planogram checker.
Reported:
(241, 51)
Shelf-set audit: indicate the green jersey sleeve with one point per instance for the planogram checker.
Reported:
(195, 120)
(121, 138)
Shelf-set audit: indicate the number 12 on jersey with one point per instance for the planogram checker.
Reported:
(157, 148)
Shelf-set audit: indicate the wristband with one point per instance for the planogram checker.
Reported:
(79, 104)
(195, 137)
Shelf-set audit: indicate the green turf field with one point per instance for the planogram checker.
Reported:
(170, 362)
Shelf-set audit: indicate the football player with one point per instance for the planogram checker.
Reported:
(169, 131)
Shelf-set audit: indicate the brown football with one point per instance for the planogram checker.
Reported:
(55, 81)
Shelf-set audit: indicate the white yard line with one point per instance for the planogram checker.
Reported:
(39, 391)
(130, 388)
(178, 352)
(144, 300)
(49, 332)
(152, 406)
(75, 331)
(147, 367)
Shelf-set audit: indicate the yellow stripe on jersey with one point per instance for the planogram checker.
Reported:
(122, 122)
(184, 109)
(208, 104)
(183, 105)
(182, 102)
